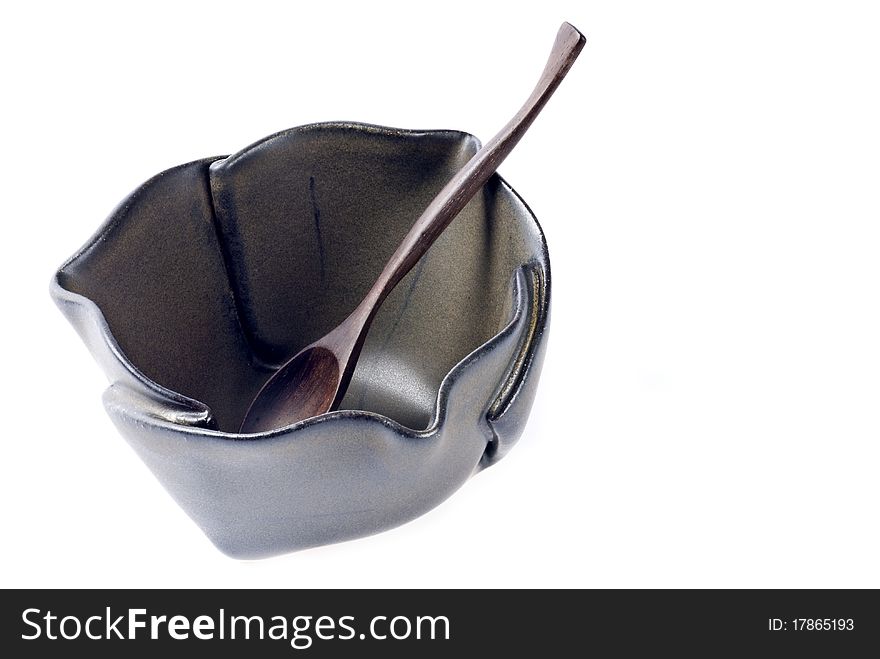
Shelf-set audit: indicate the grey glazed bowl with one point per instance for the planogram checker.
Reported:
(213, 273)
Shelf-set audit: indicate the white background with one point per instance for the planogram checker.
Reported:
(707, 178)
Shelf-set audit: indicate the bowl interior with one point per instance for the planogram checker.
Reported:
(214, 273)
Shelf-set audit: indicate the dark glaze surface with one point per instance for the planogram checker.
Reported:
(450, 366)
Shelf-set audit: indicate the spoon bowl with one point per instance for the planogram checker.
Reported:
(308, 384)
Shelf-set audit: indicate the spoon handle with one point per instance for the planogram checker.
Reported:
(465, 184)
(315, 379)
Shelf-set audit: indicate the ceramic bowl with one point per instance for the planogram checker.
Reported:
(213, 273)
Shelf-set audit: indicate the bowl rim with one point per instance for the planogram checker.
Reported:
(192, 416)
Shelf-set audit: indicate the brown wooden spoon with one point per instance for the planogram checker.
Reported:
(315, 379)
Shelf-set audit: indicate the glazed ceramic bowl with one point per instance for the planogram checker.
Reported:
(213, 273)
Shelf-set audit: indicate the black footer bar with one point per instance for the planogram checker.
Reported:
(317, 623)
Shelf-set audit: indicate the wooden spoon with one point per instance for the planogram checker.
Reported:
(315, 379)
